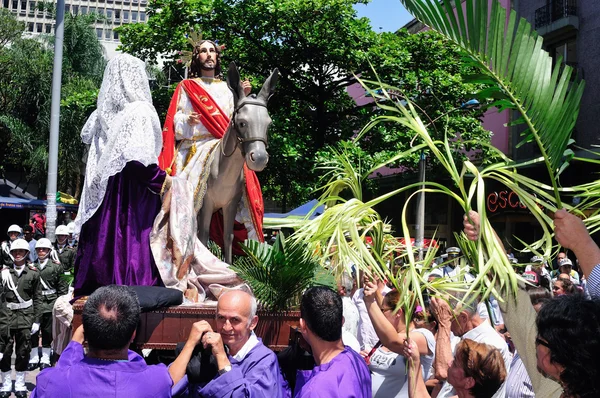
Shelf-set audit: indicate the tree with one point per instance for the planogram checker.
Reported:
(25, 94)
(10, 27)
(317, 46)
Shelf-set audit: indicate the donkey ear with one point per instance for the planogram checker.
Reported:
(234, 84)
(268, 88)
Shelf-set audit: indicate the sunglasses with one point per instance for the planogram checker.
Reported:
(539, 341)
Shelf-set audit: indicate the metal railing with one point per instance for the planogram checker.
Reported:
(554, 11)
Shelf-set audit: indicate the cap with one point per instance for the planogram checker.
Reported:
(537, 259)
(532, 277)
(19, 244)
(564, 262)
(71, 227)
(453, 250)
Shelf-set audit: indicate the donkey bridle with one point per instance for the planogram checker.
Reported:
(240, 139)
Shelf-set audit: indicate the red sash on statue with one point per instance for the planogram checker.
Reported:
(216, 122)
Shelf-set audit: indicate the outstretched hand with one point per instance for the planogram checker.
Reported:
(471, 224)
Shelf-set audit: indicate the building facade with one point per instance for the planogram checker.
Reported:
(111, 14)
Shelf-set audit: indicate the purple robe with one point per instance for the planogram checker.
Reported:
(257, 375)
(346, 375)
(114, 244)
(77, 376)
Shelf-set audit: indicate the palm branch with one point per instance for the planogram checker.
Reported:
(277, 274)
(521, 75)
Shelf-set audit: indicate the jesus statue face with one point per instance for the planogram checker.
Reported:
(207, 55)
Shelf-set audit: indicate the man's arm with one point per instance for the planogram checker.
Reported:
(178, 368)
(571, 233)
(443, 347)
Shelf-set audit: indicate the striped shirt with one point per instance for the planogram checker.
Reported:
(593, 282)
(518, 383)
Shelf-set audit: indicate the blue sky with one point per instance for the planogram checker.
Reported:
(385, 15)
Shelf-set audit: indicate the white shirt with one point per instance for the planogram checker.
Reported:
(349, 340)
(367, 337)
(250, 344)
(351, 316)
(483, 333)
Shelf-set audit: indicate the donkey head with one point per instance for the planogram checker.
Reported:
(251, 119)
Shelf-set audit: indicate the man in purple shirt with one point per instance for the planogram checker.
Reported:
(246, 369)
(339, 371)
(110, 369)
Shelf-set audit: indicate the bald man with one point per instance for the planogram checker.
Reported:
(245, 366)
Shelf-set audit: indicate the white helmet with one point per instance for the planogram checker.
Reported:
(19, 244)
(43, 243)
(14, 228)
(62, 230)
(71, 227)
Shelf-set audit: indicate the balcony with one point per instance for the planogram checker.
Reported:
(557, 18)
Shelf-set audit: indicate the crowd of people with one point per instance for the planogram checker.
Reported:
(543, 342)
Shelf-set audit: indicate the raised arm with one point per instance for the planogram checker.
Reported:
(385, 331)
(443, 347)
(416, 385)
(572, 234)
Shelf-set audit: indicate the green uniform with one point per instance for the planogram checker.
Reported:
(24, 312)
(53, 285)
(66, 255)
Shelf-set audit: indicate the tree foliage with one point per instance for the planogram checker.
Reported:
(318, 46)
(25, 96)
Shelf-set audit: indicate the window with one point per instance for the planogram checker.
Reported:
(75, 10)
(48, 28)
(568, 51)
(30, 27)
(67, 8)
(142, 16)
(101, 12)
(38, 27)
(117, 15)
(99, 33)
(6, 3)
(125, 15)
(15, 4)
(109, 14)
(107, 34)
(116, 35)
(134, 16)
(92, 10)
(83, 10)
(31, 6)
(23, 5)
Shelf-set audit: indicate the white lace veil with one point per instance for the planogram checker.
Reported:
(124, 127)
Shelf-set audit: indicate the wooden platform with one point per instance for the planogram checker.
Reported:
(163, 329)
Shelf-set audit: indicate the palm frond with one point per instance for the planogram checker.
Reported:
(509, 56)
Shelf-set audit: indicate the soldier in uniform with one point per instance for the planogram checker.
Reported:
(53, 285)
(66, 254)
(13, 233)
(21, 283)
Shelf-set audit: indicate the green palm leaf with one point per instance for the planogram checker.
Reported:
(510, 58)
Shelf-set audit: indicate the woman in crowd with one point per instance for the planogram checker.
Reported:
(477, 370)
(388, 367)
(563, 286)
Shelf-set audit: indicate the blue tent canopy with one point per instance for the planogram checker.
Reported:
(35, 204)
(301, 211)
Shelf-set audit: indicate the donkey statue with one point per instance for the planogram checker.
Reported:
(244, 142)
